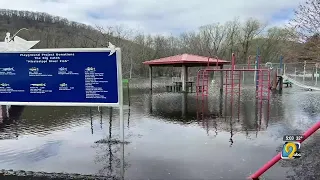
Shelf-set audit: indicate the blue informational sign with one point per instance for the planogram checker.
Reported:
(69, 76)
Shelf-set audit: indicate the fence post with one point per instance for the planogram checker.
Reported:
(316, 66)
(243, 75)
(316, 75)
(304, 70)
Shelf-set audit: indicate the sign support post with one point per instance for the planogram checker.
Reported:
(120, 95)
(121, 110)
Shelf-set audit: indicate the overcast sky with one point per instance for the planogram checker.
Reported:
(160, 16)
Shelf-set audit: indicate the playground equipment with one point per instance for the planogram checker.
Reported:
(287, 82)
(300, 84)
(232, 82)
(278, 76)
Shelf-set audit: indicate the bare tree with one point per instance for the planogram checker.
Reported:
(209, 40)
(307, 19)
(248, 31)
(212, 37)
(192, 43)
(307, 25)
(142, 52)
(274, 43)
(232, 40)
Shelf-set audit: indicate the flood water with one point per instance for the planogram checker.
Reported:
(165, 138)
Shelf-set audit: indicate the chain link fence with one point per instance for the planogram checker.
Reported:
(306, 73)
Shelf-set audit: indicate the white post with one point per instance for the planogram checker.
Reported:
(295, 73)
(243, 75)
(312, 74)
(122, 170)
(184, 77)
(304, 70)
(254, 75)
(131, 67)
(121, 110)
(121, 115)
(316, 75)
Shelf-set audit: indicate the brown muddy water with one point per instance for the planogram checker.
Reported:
(165, 138)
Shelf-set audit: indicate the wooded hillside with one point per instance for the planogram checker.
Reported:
(58, 32)
(210, 40)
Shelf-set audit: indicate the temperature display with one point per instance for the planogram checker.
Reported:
(292, 137)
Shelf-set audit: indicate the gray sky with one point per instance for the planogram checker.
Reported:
(160, 16)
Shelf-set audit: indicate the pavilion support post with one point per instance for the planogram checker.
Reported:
(150, 92)
(150, 78)
(184, 77)
(184, 106)
(221, 79)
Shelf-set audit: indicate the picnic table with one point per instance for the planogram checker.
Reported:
(287, 82)
(177, 86)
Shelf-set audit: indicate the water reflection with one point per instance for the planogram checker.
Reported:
(110, 153)
(4, 113)
(54, 120)
(172, 106)
(231, 132)
(128, 119)
(168, 142)
(100, 111)
(246, 112)
(9, 121)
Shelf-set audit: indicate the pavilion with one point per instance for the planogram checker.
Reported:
(184, 61)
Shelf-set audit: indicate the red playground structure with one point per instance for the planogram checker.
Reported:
(232, 82)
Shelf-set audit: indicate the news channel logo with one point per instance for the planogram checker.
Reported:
(291, 150)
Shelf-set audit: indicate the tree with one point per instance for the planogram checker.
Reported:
(192, 43)
(306, 23)
(212, 37)
(215, 39)
(233, 32)
(307, 19)
(248, 31)
(274, 43)
(311, 48)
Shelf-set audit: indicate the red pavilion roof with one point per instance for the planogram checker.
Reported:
(185, 59)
